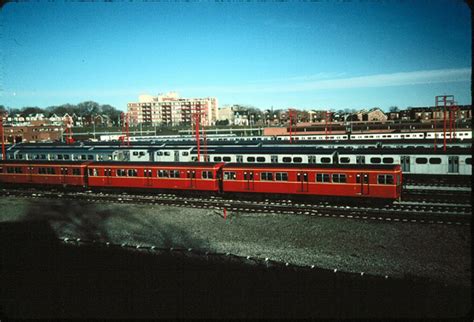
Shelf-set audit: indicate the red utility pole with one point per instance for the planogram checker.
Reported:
(291, 115)
(3, 136)
(198, 139)
(124, 117)
(446, 100)
(328, 118)
(69, 139)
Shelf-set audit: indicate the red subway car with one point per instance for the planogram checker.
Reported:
(43, 173)
(197, 176)
(370, 181)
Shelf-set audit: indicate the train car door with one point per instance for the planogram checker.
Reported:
(148, 180)
(191, 175)
(30, 174)
(405, 162)
(249, 181)
(63, 175)
(453, 164)
(108, 174)
(363, 180)
(302, 178)
(176, 156)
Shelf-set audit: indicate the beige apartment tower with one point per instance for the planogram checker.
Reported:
(170, 109)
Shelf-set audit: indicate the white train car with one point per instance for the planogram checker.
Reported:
(414, 161)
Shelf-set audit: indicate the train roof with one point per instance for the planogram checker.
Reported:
(340, 150)
(112, 163)
(310, 166)
(44, 162)
(402, 151)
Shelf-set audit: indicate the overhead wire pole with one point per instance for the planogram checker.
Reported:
(328, 119)
(197, 117)
(291, 115)
(69, 138)
(3, 136)
(125, 128)
(446, 100)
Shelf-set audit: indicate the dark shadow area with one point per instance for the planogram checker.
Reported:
(87, 221)
(42, 277)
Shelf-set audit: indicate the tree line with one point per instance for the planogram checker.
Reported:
(82, 109)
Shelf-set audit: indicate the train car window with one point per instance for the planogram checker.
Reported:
(228, 175)
(90, 157)
(226, 159)
(217, 158)
(50, 170)
(185, 153)
(375, 160)
(66, 157)
(10, 170)
(435, 160)
(325, 160)
(344, 160)
(312, 159)
(207, 175)
(421, 160)
(468, 160)
(159, 153)
(76, 172)
(297, 159)
(385, 179)
(174, 173)
(266, 176)
(322, 177)
(191, 174)
(250, 159)
(135, 153)
(281, 176)
(132, 172)
(1, 170)
(120, 172)
(59, 156)
(164, 173)
(286, 159)
(20, 156)
(339, 178)
(260, 159)
(387, 160)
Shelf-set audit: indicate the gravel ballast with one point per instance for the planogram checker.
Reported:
(433, 251)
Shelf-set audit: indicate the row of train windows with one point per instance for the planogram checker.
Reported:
(63, 157)
(42, 170)
(311, 159)
(166, 153)
(320, 177)
(148, 173)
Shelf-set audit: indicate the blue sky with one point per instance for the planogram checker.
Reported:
(304, 55)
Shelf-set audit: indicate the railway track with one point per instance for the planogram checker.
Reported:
(399, 211)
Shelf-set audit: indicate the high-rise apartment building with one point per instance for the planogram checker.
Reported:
(170, 109)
